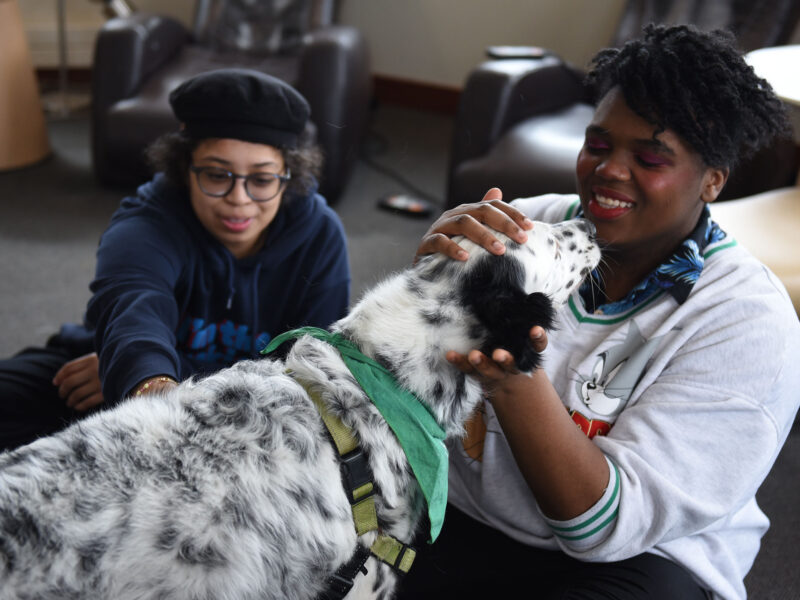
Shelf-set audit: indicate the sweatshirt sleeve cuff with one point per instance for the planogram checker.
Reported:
(592, 527)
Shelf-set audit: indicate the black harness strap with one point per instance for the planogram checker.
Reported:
(342, 581)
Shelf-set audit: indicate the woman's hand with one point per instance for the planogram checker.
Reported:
(564, 469)
(495, 369)
(473, 222)
(78, 383)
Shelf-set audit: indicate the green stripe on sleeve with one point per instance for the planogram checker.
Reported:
(560, 531)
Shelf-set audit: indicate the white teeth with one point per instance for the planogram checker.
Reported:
(611, 202)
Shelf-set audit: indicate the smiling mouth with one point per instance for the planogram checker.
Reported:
(607, 208)
(236, 225)
(611, 203)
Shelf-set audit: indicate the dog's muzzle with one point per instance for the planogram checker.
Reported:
(588, 227)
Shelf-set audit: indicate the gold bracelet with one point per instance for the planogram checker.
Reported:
(146, 385)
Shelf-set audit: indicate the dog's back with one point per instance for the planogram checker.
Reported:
(192, 495)
(229, 487)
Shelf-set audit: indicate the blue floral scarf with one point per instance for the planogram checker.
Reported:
(677, 275)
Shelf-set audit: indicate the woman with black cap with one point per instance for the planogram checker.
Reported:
(226, 247)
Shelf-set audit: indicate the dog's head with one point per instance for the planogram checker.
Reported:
(408, 322)
(511, 293)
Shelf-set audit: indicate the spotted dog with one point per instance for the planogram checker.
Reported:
(228, 486)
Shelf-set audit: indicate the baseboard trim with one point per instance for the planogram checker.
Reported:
(52, 75)
(416, 94)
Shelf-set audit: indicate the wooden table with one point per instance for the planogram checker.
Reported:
(780, 66)
(767, 225)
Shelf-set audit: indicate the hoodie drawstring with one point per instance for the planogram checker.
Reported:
(231, 289)
(254, 306)
(255, 337)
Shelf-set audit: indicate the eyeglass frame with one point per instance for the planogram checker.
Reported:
(284, 180)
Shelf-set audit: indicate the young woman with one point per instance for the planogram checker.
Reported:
(627, 466)
(226, 247)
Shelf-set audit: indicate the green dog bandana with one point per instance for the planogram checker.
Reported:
(420, 436)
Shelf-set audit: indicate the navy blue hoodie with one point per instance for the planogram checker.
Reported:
(169, 299)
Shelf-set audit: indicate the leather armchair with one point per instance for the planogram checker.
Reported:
(520, 121)
(519, 126)
(140, 58)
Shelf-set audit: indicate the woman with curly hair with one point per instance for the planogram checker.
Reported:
(627, 466)
(227, 246)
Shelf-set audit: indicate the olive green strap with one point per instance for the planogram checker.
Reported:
(394, 553)
(417, 431)
(343, 438)
(362, 498)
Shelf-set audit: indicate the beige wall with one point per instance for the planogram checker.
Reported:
(430, 41)
(40, 17)
(83, 19)
(183, 10)
(439, 41)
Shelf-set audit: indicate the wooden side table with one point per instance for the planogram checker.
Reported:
(23, 132)
(767, 224)
(780, 66)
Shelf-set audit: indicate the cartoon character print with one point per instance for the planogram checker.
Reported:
(606, 390)
(592, 391)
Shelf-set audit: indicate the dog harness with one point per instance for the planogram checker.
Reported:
(420, 436)
(360, 490)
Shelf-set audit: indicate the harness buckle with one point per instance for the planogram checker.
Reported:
(358, 475)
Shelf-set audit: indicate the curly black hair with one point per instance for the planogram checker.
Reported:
(697, 84)
(172, 154)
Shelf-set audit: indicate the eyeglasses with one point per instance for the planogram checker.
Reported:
(260, 187)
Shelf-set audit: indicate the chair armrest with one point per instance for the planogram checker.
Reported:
(334, 64)
(500, 93)
(335, 79)
(127, 50)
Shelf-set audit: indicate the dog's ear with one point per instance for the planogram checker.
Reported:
(493, 291)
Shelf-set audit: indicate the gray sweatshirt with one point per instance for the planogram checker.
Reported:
(690, 404)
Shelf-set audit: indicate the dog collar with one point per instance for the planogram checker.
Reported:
(420, 436)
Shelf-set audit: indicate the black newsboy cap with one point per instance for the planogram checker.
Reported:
(241, 104)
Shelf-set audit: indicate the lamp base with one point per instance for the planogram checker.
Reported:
(23, 132)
